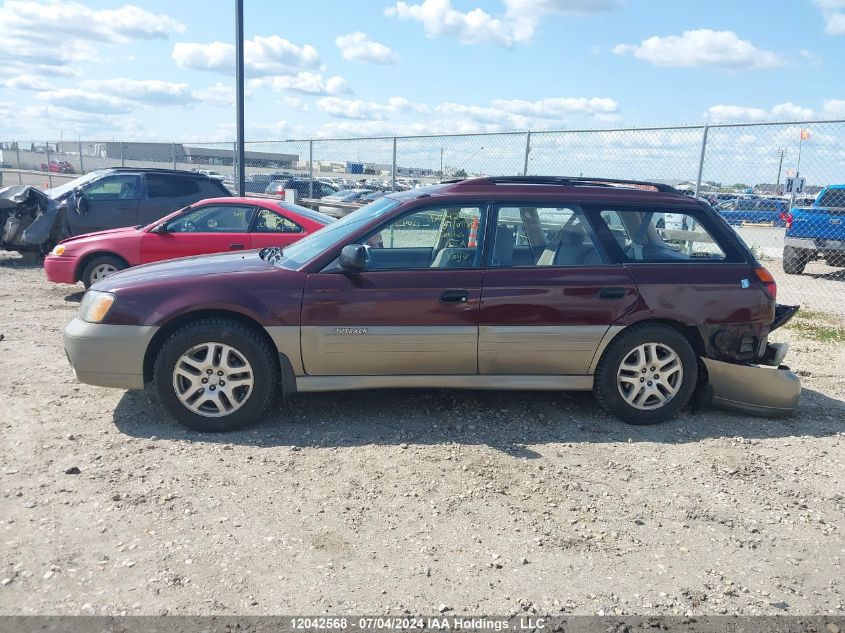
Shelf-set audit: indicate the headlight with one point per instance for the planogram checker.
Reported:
(95, 306)
(59, 249)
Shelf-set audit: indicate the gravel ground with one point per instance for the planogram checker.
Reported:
(398, 500)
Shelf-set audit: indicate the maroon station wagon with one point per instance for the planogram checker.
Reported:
(631, 290)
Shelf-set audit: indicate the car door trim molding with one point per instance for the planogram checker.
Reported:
(445, 381)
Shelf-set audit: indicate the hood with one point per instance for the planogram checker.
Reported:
(185, 268)
(16, 195)
(126, 231)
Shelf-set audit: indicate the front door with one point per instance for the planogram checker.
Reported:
(210, 228)
(412, 311)
(112, 202)
(549, 296)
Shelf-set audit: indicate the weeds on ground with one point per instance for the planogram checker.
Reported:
(819, 326)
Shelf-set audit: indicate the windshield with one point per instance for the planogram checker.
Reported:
(306, 249)
(58, 192)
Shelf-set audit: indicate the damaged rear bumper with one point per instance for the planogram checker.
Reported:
(753, 389)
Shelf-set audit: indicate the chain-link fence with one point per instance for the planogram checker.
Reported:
(764, 178)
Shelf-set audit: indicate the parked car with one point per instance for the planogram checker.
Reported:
(343, 196)
(58, 167)
(764, 211)
(576, 290)
(816, 232)
(303, 186)
(209, 226)
(258, 183)
(35, 219)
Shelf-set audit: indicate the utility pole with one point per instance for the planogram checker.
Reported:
(441, 163)
(781, 154)
(239, 97)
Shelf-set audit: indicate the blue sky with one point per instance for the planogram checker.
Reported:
(163, 70)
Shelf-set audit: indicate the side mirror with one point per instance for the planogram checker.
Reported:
(159, 228)
(354, 257)
(81, 204)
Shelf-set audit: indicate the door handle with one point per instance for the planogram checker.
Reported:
(236, 247)
(454, 296)
(612, 293)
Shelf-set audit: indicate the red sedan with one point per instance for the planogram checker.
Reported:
(209, 226)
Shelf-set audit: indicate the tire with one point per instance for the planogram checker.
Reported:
(661, 399)
(101, 267)
(837, 260)
(238, 352)
(794, 260)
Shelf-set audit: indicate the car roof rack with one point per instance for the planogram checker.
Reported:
(571, 181)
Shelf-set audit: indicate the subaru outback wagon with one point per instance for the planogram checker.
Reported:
(487, 283)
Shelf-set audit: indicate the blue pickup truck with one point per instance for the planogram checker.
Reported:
(816, 232)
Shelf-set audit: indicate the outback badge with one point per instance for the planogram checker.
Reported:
(350, 330)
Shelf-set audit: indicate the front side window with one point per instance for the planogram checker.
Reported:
(542, 236)
(123, 187)
(433, 238)
(659, 236)
(227, 218)
(269, 222)
(164, 186)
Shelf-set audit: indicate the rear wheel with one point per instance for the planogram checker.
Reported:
(794, 260)
(101, 267)
(215, 375)
(836, 259)
(647, 374)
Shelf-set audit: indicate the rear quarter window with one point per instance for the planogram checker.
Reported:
(163, 186)
(661, 236)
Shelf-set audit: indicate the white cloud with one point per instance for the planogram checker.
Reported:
(480, 114)
(51, 37)
(263, 56)
(359, 109)
(27, 82)
(834, 108)
(558, 107)
(146, 91)
(357, 47)
(221, 95)
(296, 103)
(783, 111)
(337, 86)
(834, 18)
(303, 83)
(702, 47)
(516, 25)
(85, 101)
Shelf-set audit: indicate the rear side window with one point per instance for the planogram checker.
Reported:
(210, 189)
(163, 186)
(659, 236)
(190, 187)
(542, 236)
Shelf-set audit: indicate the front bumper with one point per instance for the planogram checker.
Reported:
(60, 270)
(754, 389)
(108, 355)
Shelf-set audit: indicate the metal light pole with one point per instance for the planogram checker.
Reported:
(238, 163)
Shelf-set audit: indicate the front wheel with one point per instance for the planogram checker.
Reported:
(101, 267)
(794, 260)
(647, 374)
(216, 375)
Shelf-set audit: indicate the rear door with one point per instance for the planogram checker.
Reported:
(164, 195)
(211, 228)
(112, 203)
(413, 310)
(549, 293)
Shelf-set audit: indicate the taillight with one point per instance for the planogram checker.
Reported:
(787, 217)
(768, 280)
